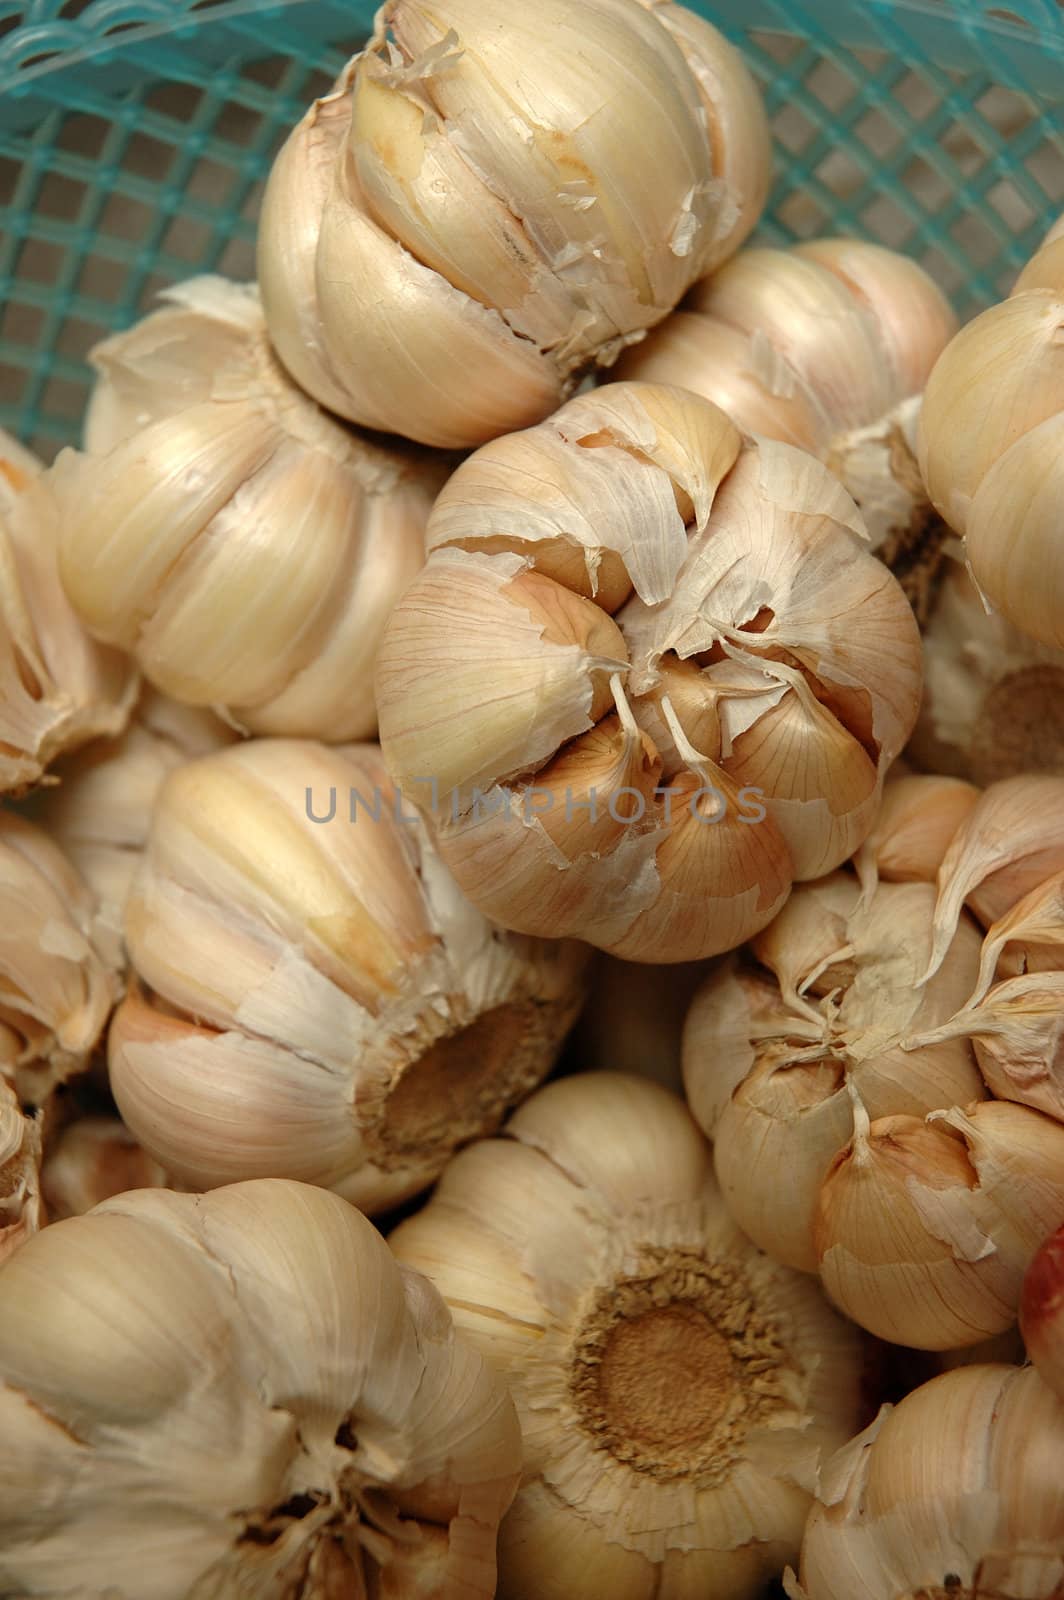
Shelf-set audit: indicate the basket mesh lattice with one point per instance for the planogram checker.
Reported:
(135, 135)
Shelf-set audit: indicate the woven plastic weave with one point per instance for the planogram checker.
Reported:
(135, 135)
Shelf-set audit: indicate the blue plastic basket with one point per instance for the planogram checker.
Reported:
(135, 135)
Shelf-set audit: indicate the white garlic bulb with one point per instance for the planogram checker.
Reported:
(1042, 1312)
(827, 346)
(777, 1044)
(651, 781)
(924, 1229)
(57, 985)
(58, 688)
(993, 703)
(93, 1159)
(990, 440)
(21, 1210)
(316, 999)
(493, 200)
(245, 547)
(954, 1494)
(677, 1390)
(241, 1394)
(100, 809)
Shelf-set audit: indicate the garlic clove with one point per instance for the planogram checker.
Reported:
(92, 1160)
(917, 819)
(1000, 377)
(1023, 575)
(1042, 1312)
(807, 947)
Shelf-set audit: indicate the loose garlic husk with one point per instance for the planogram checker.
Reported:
(100, 809)
(993, 697)
(21, 1210)
(651, 781)
(245, 547)
(242, 1393)
(924, 1229)
(94, 1159)
(954, 1494)
(633, 1017)
(316, 999)
(773, 1051)
(676, 1389)
(1042, 1312)
(58, 688)
(990, 439)
(57, 985)
(827, 346)
(466, 224)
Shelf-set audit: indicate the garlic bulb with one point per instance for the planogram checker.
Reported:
(93, 1159)
(827, 346)
(993, 697)
(1042, 1312)
(492, 200)
(676, 1389)
(56, 984)
(989, 443)
(924, 1229)
(632, 1020)
(777, 1043)
(241, 1394)
(651, 781)
(955, 1494)
(57, 688)
(100, 810)
(917, 820)
(21, 1211)
(245, 547)
(316, 1000)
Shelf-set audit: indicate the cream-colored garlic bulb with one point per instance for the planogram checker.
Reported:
(633, 1017)
(58, 688)
(651, 780)
(777, 1042)
(993, 703)
(317, 1001)
(826, 345)
(676, 1389)
(991, 446)
(21, 1210)
(57, 985)
(245, 547)
(917, 820)
(242, 1394)
(100, 809)
(924, 1229)
(93, 1159)
(954, 1494)
(493, 200)
(1042, 1311)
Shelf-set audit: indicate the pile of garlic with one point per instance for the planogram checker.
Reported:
(843, 1066)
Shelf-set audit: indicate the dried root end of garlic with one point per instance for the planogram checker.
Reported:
(250, 1382)
(676, 1390)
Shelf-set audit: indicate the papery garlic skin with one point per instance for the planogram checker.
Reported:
(758, 675)
(992, 695)
(100, 810)
(917, 820)
(956, 1491)
(826, 345)
(1042, 1312)
(57, 982)
(58, 688)
(773, 1052)
(676, 1390)
(989, 446)
(242, 545)
(316, 999)
(241, 1393)
(21, 1210)
(465, 225)
(924, 1230)
(92, 1160)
